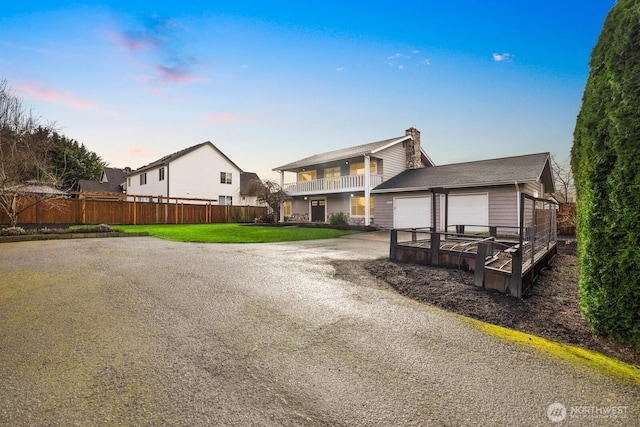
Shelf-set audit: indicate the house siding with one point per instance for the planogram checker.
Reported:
(393, 159)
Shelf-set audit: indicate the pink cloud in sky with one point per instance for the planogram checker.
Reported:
(139, 150)
(47, 94)
(223, 117)
(175, 75)
(132, 43)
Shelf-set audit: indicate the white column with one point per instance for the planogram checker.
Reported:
(281, 219)
(367, 189)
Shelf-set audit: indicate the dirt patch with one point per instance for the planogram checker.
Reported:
(549, 309)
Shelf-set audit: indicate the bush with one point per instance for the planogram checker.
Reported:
(12, 231)
(605, 159)
(338, 218)
(265, 219)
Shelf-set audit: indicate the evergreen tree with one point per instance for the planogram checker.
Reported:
(605, 159)
(73, 161)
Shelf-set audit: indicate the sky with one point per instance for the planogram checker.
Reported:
(270, 82)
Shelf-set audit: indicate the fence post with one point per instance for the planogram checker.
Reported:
(478, 272)
(392, 245)
(435, 248)
(516, 273)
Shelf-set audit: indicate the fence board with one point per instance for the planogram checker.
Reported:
(120, 211)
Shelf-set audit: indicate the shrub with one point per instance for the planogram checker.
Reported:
(338, 218)
(605, 159)
(12, 231)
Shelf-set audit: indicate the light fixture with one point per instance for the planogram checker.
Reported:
(352, 195)
(305, 197)
(346, 163)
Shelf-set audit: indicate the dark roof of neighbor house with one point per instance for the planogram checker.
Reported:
(245, 183)
(348, 153)
(89, 186)
(507, 170)
(171, 157)
(114, 176)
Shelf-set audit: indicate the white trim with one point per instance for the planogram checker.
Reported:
(391, 144)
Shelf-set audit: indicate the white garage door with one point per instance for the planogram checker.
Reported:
(412, 212)
(469, 209)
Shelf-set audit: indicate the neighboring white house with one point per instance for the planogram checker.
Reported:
(199, 172)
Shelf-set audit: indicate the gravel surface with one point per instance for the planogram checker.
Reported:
(142, 331)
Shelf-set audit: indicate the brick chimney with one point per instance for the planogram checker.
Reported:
(412, 148)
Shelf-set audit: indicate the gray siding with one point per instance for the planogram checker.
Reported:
(503, 206)
(393, 160)
(338, 203)
(383, 210)
(300, 206)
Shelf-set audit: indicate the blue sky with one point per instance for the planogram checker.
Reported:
(271, 82)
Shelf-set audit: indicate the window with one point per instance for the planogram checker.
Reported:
(357, 206)
(225, 177)
(161, 174)
(286, 208)
(332, 177)
(307, 175)
(225, 200)
(358, 168)
(143, 178)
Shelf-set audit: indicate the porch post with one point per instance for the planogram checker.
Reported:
(281, 219)
(367, 190)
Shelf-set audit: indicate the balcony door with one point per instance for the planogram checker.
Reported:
(318, 210)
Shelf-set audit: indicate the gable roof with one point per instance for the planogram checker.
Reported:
(349, 153)
(171, 157)
(114, 176)
(245, 183)
(506, 170)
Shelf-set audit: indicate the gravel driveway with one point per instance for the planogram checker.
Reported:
(141, 331)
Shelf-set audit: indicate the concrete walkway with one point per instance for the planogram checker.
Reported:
(143, 331)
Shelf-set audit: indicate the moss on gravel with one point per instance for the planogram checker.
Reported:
(574, 355)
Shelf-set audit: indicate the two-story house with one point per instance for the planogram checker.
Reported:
(342, 180)
(198, 172)
(394, 184)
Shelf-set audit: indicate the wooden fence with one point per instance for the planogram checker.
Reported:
(132, 210)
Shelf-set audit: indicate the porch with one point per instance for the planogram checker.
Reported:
(341, 184)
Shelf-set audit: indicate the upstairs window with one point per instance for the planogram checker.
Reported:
(307, 175)
(358, 168)
(225, 177)
(161, 174)
(143, 178)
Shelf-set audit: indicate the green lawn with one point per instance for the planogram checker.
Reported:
(233, 233)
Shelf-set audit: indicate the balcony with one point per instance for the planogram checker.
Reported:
(341, 184)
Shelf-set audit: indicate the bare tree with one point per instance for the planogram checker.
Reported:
(564, 194)
(25, 148)
(563, 177)
(271, 193)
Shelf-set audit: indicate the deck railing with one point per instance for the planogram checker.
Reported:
(331, 185)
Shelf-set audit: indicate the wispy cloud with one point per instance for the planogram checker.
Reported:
(223, 117)
(502, 57)
(401, 60)
(157, 44)
(139, 150)
(48, 94)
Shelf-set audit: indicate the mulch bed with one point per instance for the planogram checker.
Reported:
(549, 309)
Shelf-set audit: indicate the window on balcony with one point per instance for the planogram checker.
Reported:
(357, 206)
(332, 176)
(307, 175)
(358, 168)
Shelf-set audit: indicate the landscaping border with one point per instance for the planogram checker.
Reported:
(57, 236)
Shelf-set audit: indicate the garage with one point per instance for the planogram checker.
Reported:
(411, 212)
(468, 209)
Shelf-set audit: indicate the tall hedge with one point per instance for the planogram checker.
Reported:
(605, 159)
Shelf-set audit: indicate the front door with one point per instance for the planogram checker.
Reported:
(317, 210)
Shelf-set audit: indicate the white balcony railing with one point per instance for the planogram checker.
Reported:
(331, 185)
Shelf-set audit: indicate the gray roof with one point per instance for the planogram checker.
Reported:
(245, 183)
(171, 157)
(507, 170)
(347, 153)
